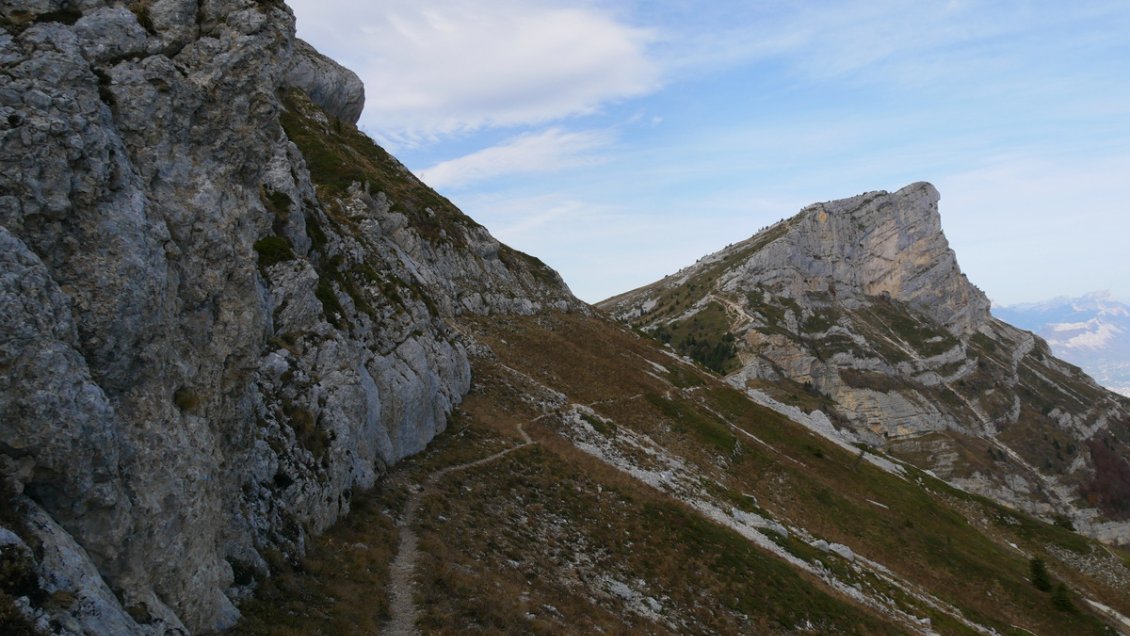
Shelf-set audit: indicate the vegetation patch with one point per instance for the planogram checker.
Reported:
(1109, 489)
(306, 430)
(331, 306)
(774, 309)
(517, 261)
(187, 400)
(17, 579)
(141, 9)
(339, 587)
(682, 376)
(881, 382)
(277, 202)
(521, 545)
(605, 427)
(1040, 577)
(523, 526)
(705, 337)
(923, 335)
(339, 154)
(821, 320)
(273, 250)
(830, 345)
(686, 419)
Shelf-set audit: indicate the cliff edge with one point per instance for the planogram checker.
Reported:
(223, 308)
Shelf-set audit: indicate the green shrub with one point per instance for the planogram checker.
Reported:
(1040, 576)
(1061, 599)
(306, 430)
(17, 578)
(187, 400)
(606, 428)
(279, 203)
(1063, 521)
(12, 621)
(705, 338)
(273, 249)
(331, 307)
(141, 9)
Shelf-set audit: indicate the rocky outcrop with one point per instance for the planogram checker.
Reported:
(873, 244)
(206, 345)
(336, 89)
(858, 307)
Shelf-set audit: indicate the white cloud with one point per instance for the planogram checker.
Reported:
(1072, 326)
(436, 68)
(1095, 340)
(546, 151)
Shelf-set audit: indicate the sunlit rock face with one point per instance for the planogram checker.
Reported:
(858, 307)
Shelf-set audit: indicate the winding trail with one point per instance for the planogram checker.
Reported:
(402, 603)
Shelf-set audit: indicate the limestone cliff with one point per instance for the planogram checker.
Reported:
(222, 308)
(858, 308)
(871, 245)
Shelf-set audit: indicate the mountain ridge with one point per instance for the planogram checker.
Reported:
(251, 366)
(860, 303)
(1092, 331)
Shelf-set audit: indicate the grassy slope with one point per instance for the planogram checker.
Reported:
(689, 316)
(534, 542)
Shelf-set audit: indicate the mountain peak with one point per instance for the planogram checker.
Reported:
(873, 244)
(858, 309)
(885, 244)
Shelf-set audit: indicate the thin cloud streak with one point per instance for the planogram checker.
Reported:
(551, 150)
(438, 69)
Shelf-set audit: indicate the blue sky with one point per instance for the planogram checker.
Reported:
(619, 141)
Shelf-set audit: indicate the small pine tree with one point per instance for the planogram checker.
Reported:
(1061, 599)
(1040, 576)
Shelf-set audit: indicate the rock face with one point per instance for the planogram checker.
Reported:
(858, 308)
(222, 308)
(335, 88)
(874, 244)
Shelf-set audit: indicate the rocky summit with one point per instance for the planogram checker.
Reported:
(257, 376)
(858, 307)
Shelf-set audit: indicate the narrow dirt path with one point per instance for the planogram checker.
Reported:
(734, 309)
(402, 603)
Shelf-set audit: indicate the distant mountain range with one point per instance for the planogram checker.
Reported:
(1092, 331)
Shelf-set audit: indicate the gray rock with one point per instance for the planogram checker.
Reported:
(200, 358)
(64, 566)
(862, 300)
(110, 34)
(330, 85)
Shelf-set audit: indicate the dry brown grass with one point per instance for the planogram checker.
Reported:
(531, 543)
(806, 481)
(338, 588)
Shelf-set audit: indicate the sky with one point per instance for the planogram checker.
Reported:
(621, 141)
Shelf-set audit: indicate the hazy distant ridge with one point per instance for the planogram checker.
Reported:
(1092, 331)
